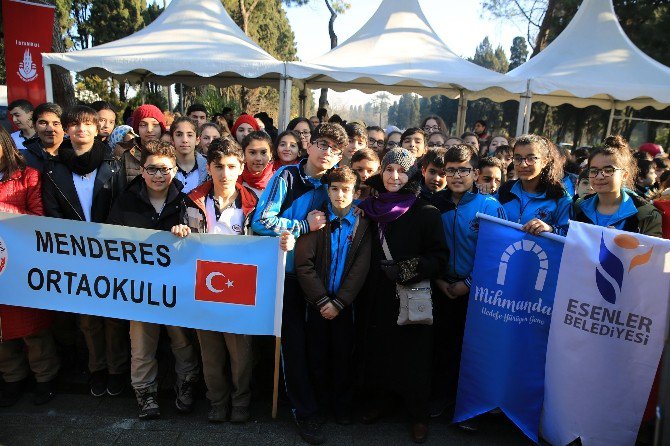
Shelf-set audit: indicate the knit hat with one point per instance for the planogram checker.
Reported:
(245, 119)
(118, 134)
(651, 148)
(148, 111)
(398, 156)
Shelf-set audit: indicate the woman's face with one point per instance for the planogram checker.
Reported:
(303, 130)
(394, 177)
(431, 126)
(602, 182)
(436, 141)
(242, 131)
(496, 142)
(208, 135)
(287, 149)
(528, 161)
(257, 155)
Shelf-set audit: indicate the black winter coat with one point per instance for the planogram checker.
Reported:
(34, 154)
(134, 209)
(60, 196)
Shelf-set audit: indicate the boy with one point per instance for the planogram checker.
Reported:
(198, 113)
(376, 139)
(472, 139)
(191, 165)
(358, 140)
(81, 184)
(583, 186)
(458, 206)
(106, 118)
(149, 123)
(365, 163)
(223, 206)
(332, 264)
(21, 112)
(291, 202)
(43, 148)
(414, 140)
(490, 175)
(505, 155)
(153, 201)
(434, 175)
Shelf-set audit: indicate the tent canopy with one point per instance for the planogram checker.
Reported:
(398, 51)
(593, 62)
(192, 41)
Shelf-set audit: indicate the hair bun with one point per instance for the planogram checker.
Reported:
(616, 142)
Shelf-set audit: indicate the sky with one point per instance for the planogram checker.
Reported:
(461, 24)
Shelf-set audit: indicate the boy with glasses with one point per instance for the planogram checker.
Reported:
(292, 202)
(376, 139)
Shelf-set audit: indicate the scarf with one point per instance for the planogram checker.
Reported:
(84, 163)
(279, 163)
(256, 180)
(387, 207)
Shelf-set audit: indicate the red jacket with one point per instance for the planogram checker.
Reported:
(21, 193)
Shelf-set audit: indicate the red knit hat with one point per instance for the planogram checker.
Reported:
(245, 119)
(651, 148)
(148, 111)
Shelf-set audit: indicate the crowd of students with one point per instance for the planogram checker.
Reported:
(359, 210)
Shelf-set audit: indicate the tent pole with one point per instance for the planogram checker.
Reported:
(303, 100)
(169, 97)
(462, 111)
(181, 98)
(523, 104)
(48, 84)
(526, 118)
(284, 102)
(611, 121)
(142, 91)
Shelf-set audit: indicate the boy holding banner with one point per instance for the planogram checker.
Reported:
(458, 205)
(154, 201)
(291, 202)
(223, 206)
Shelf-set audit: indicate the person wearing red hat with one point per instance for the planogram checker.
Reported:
(651, 148)
(244, 125)
(149, 123)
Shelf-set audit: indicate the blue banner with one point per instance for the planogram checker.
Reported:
(507, 326)
(223, 283)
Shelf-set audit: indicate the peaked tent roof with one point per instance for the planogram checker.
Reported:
(593, 62)
(397, 50)
(189, 41)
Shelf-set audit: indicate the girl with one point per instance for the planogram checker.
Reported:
(398, 358)
(288, 149)
(437, 140)
(611, 170)
(25, 331)
(496, 142)
(433, 124)
(258, 169)
(244, 125)
(209, 131)
(537, 199)
(303, 127)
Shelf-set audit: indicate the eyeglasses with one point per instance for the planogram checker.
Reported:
(325, 147)
(432, 128)
(375, 142)
(392, 145)
(304, 133)
(461, 171)
(607, 171)
(530, 160)
(435, 144)
(152, 170)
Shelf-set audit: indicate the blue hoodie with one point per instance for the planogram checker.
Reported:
(521, 207)
(461, 228)
(290, 195)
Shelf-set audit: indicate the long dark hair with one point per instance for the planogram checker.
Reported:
(11, 160)
(551, 177)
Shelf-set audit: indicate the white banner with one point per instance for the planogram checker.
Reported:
(606, 337)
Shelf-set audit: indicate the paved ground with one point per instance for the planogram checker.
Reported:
(79, 419)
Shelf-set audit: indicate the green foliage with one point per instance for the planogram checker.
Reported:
(114, 19)
(339, 6)
(518, 52)
(486, 57)
(406, 112)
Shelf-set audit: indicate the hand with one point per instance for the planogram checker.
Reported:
(458, 289)
(391, 269)
(180, 230)
(316, 220)
(536, 226)
(443, 286)
(329, 311)
(286, 241)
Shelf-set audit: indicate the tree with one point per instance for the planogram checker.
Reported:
(518, 52)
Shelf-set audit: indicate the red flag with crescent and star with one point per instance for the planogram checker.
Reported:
(229, 283)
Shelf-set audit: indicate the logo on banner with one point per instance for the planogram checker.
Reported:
(610, 274)
(229, 283)
(529, 246)
(27, 68)
(3, 255)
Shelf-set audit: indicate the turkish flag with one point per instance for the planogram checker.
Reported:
(229, 283)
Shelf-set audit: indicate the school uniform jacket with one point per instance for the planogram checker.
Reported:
(635, 214)
(195, 203)
(461, 228)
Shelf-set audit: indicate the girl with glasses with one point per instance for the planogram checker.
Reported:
(611, 170)
(537, 199)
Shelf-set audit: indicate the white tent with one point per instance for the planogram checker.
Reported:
(192, 41)
(398, 51)
(593, 62)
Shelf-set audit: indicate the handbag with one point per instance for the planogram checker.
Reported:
(416, 303)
